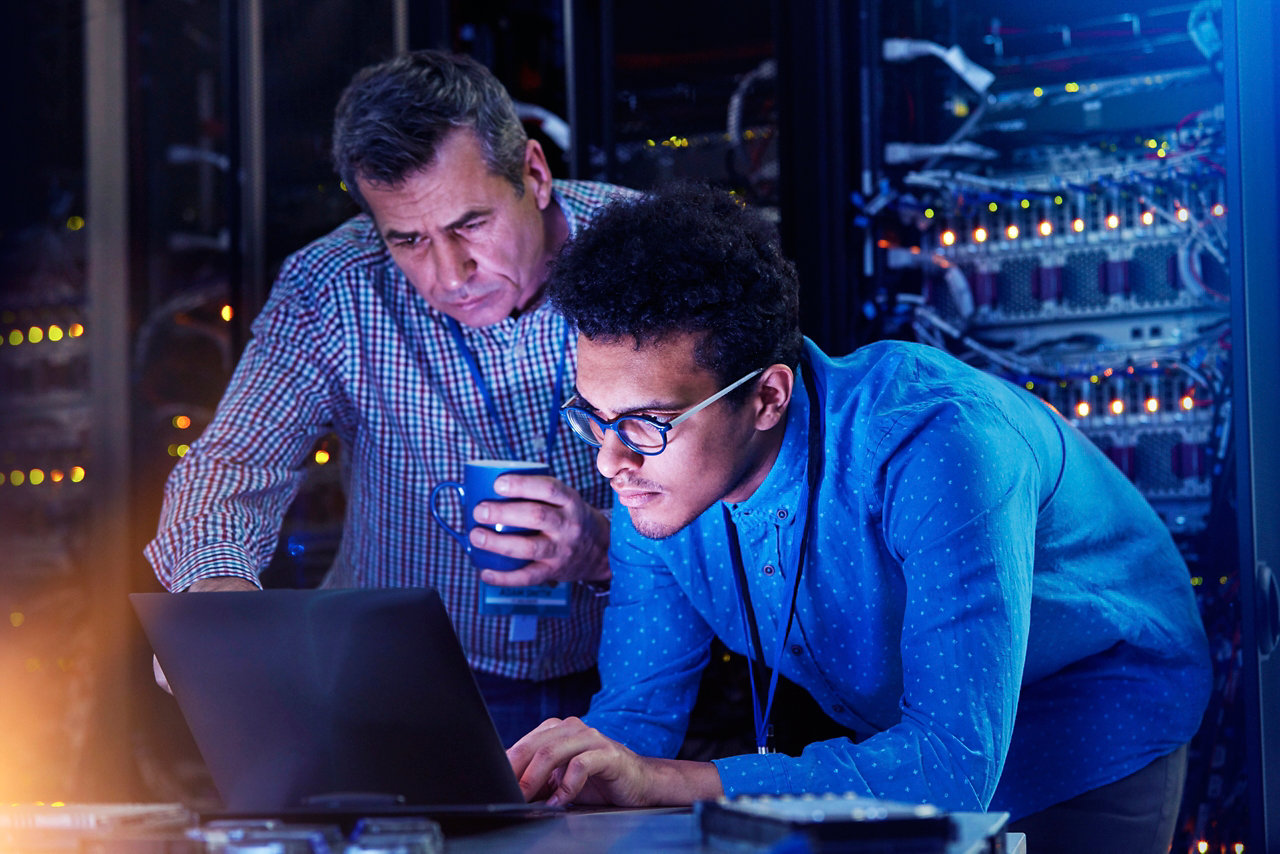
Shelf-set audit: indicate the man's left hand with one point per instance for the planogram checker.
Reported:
(572, 539)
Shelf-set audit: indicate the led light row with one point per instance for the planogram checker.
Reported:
(36, 334)
(1045, 228)
(37, 477)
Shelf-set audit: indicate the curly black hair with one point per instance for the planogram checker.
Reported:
(686, 258)
(393, 115)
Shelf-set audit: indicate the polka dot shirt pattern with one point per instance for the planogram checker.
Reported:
(986, 597)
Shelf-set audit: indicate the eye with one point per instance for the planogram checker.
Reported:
(407, 242)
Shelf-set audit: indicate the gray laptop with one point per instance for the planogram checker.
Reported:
(301, 697)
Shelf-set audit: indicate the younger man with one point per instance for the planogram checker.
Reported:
(946, 565)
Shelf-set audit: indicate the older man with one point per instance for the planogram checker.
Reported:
(420, 334)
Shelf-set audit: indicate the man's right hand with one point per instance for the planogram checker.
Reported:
(203, 585)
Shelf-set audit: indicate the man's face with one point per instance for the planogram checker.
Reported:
(713, 455)
(467, 243)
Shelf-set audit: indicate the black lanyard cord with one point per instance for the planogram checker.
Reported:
(813, 476)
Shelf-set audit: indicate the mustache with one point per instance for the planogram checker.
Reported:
(621, 483)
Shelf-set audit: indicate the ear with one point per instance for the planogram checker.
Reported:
(537, 174)
(773, 396)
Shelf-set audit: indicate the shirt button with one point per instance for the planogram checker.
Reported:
(782, 513)
(796, 649)
(768, 569)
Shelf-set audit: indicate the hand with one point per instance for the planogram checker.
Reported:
(202, 585)
(567, 761)
(572, 539)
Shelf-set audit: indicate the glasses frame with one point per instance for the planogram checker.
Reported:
(663, 427)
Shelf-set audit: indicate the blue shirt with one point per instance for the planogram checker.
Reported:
(987, 601)
(346, 345)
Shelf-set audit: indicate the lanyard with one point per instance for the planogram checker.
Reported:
(813, 474)
(553, 420)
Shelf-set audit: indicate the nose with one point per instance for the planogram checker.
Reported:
(614, 457)
(453, 263)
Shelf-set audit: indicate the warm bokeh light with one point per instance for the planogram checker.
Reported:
(17, 618)
(322, 456)
(1025, 203)
(55, 332)
(1117, 407)
(75, 223)
(979, 235)
(35, 477)
(1046, 228)
(1183, 214)
(1082, 409)
(1188, 403)
(948, 238)
(1077, 225)
(15, 337)
(75, 330)
(1218, 209)
(928, 213)
(1152, 404)
(77, 474)
(1148, 218)
(1012, 232)
(182, 422)
(1072, 87)
(993, 207)
(35, 335)
(227, 313)
(181, 450)
(56, 476)
(17, 478)
(1113, 221)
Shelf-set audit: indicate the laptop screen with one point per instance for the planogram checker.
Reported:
(293, 695)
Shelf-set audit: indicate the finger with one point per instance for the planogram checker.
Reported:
(520, 753)
(551, 748)
(523, 546)
(533, 515)
(535, 487)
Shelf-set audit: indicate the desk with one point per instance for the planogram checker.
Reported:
(655, 831)
(128, 829)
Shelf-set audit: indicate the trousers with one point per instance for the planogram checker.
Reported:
(1133, 815)
(519, 705)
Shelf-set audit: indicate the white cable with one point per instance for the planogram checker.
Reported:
(556, 128)
(903, 50)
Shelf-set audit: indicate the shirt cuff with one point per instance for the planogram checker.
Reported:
(222, 559)
(756, 774)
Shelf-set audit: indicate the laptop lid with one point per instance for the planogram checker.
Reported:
(298, 694)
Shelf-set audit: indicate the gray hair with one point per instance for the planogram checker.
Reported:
(393, 116)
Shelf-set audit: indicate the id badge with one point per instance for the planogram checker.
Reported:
(540, 600)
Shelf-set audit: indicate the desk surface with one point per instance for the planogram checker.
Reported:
(114, 827)
(659, 830)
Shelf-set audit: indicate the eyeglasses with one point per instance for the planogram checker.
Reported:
(643, 434)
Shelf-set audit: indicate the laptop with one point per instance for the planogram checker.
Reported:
(304, 697)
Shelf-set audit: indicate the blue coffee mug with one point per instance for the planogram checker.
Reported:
(478, 478)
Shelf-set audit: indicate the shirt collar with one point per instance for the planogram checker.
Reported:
(780, 498)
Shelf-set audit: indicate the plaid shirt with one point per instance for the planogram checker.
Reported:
(345, 344)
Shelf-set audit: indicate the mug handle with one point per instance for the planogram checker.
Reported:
(435, 513)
